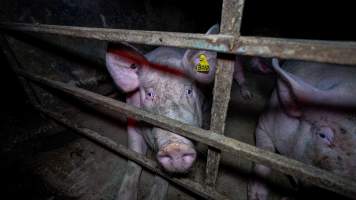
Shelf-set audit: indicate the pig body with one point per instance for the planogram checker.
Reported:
(311, 118)
(157, 83)
(171, 94)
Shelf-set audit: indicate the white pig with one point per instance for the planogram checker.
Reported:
(311, 118)
(156, 82)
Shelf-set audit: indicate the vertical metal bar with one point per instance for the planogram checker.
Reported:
(15, 65)
(231, 17)
(230, 24)
(222, 87)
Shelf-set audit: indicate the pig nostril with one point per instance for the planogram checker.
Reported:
(176, 157)
(190, 155)
(164, 159)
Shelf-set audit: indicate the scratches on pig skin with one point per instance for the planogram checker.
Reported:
(133, 57)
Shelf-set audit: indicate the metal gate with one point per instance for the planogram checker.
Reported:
(227, 43)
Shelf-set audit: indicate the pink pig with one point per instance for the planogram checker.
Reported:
(157, 83)
(311, 118)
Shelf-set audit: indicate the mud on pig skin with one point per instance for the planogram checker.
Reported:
(311, 118)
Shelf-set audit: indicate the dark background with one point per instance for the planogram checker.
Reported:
(325, 20)
(277, 18)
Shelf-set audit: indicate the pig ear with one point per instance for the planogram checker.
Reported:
(287, 99)
(306, 94)
(123, 62)
(286, 86)
(191, 60)
(215, 29)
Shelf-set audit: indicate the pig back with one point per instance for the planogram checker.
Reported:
(323, 76)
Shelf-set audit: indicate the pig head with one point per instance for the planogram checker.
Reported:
(311, 118)
(157, 84)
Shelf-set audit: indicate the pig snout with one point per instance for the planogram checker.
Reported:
(177, 157)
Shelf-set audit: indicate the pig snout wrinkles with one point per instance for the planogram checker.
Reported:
(177, 157)
(176, 154)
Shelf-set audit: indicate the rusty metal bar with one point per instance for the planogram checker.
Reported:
(116, 109)
(184, 40)
(230, 24)
(312, 50)
(205, 192)
(231, 17)
(221, 98)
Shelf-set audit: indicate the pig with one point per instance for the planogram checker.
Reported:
(157, 83)
(311, 118)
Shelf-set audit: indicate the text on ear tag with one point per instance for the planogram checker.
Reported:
(203, 65)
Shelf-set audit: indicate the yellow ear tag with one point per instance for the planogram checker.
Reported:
(203, 65)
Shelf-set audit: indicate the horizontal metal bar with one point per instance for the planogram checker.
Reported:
(312, 50)
(117, 109)
(205, 192)
(184, 40)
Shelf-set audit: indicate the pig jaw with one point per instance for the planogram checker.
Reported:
(336, 159)
(336, 162)
(175, 154)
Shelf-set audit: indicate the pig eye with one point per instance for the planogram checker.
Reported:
(326, 135)
(188, 90)
(134, 66)
(150, 94)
